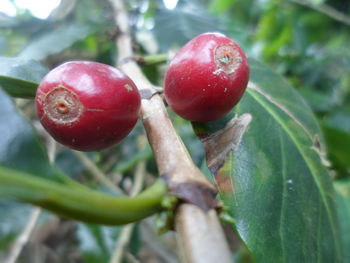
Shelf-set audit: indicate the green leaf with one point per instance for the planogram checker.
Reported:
(343, 204)
(20, 147)
(20, 77)
(275, 185)
(18, 88)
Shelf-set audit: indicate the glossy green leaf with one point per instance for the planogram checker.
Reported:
(18, 87)
(275, 185)
(343, 205)
(20, 77)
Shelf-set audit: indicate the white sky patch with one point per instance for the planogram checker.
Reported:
(170, 4)
(39, 8)
(7, 8)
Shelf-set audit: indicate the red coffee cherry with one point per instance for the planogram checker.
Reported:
(87, 106)
(206, 78)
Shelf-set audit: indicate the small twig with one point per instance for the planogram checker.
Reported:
(23, 238)
(51, 149)
(131, 258)
(151, 59)
(126, 233)
(326, 10)
(63, 10)
(152, 242)
(139, 178)
(122, 243)
(195, 227)
(97, 173)
(145, 60)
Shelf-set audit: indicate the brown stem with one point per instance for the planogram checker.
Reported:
(174, 162)
(201, 238)
(171, 155)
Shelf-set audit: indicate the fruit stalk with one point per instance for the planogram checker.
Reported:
(72, 203)
(173, 160)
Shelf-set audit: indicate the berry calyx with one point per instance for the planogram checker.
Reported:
(62, 105)
(206, 78)
(87, 106)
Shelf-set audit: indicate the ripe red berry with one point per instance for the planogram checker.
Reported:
(87, 106)
(206, 78)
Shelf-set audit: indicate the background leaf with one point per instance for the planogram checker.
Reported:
(96, 242)
(275, 186)
(56, 40)
(20, 147)
(19, 77)
(180, 25)
(10, 223)
(13, 219)
(336, 127)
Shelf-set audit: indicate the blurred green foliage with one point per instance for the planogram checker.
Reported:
(305, 41)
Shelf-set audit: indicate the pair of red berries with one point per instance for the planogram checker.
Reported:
(90, 106)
